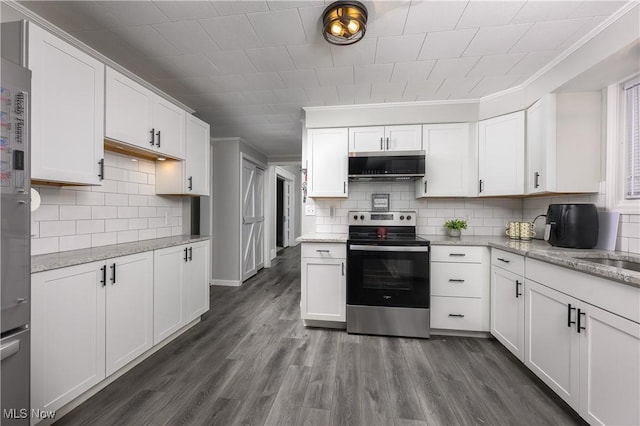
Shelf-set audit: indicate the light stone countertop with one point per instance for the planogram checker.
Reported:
(46, 262)
(323, 238)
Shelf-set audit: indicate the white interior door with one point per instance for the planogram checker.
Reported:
(252, 219)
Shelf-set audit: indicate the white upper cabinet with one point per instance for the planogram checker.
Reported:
(450, 168)
(327, 162)
(385, 138)
(501, 155)
(563, 143)
(136, 116)
(192, 176)
(67, 111)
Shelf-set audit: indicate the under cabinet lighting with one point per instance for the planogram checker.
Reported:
(161, 159)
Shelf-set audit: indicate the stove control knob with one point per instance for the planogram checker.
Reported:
(361, 217)
(355, 217)
(408, 217)
(401, 217)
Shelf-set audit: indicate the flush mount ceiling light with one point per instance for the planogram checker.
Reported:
(344, 22)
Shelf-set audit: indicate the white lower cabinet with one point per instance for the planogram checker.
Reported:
(181, 290)
(459, 288)
(87, 322)
(324, 284)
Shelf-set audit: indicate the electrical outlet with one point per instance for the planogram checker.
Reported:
(310, 210)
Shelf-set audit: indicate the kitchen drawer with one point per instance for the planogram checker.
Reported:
(457, 313)
(454, 279)
(457, 254)
(324, 250)
(508, 261)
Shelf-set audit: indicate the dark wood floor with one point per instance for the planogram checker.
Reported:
(251, 361)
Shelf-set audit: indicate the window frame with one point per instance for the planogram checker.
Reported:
(617, 149)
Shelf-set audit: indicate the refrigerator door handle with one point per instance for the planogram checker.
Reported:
(9, 349)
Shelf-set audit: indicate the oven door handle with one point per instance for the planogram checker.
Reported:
(421, 249)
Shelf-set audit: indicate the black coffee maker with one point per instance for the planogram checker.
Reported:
(572, 225)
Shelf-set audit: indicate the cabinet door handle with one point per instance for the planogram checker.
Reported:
(387, 144)
(536, 176)
(113, 273)
(101, 169)
(455, 280)
(569, 322)
(190, 183)
(343, 269)
(579, 318)
(504, 260)
(158, 143)
(518, 284)
(186, 257)
(481, 186)
(190, 254)
(344, 187)
(425, 186)
(152, 142)
(103, 281)
(457, 315)
(381, 144)
(457, 254)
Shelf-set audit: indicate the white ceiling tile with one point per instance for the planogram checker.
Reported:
(380, 92)
(489, 13)
(231, 62)
(186, 10)
(293, 95)
(427, 16)
(312, 22)
(536, 11)
(231, 32)
(412, 71)
(401, 98)
(145, 67)
(187, 36)
(584, 29)
(361, 53)
(375, 73)
(446, 44)
(257, 97)
(263, 81)
(278, 28)
(335, 76)
(354, 93)
(289, 4)
(457, 87)
(423, 88)
(398, 48)
(495, 64)
(81, 17)
(185, 65)
(217, 99)
(127, 13)
(548, 35)
(456, 67)
(327, 95)
(239, 7)
(299, 78)
(197, 85)
(270, 59)
(228, 83)
(106, 42)
(495, 40)
(306, 56)
(146, 39)
(596, 8)
(386, 18)
(174, 86)
(493, 84)
(533, 62)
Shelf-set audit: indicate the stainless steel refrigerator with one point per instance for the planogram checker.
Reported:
(15, 269)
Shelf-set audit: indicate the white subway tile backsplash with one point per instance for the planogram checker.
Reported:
(124, 208)
(56, 228)
(75, 212)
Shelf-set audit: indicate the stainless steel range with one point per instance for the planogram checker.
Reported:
(388, 289)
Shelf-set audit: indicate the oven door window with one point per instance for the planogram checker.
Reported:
(388, 278)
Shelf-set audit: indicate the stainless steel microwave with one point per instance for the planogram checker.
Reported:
(387, 165)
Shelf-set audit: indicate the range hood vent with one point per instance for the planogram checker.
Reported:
(403, 166)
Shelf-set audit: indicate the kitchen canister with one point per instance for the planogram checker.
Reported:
(513, 230)
(527, 230)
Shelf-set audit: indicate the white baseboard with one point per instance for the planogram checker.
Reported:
(295, 243)
(227, 283)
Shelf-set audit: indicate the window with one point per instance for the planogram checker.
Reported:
(632, 139)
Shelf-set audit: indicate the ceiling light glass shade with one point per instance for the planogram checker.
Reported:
(344, 22)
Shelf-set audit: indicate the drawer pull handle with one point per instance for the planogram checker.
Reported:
(504, 260)
(457, 315)
(457, 254)
(455, 280)
(322, 251)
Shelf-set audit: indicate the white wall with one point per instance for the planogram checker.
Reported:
(124, 209)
